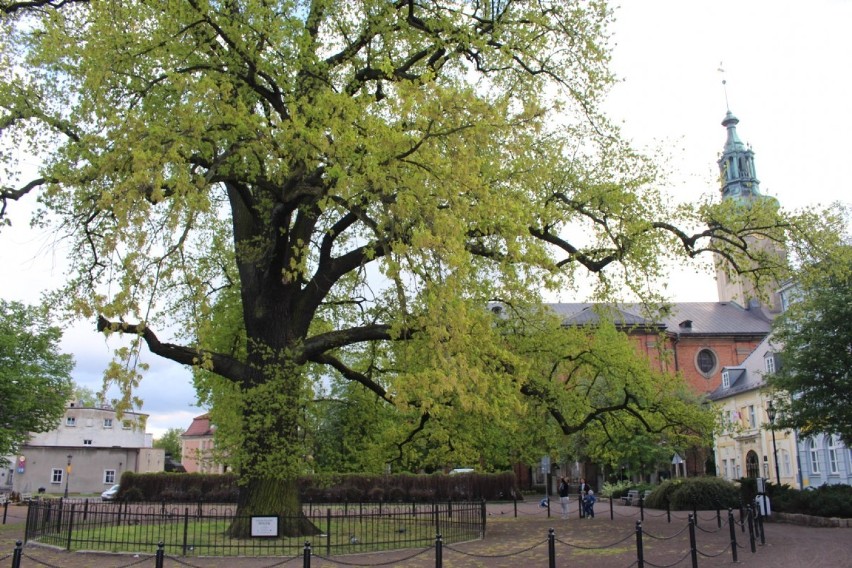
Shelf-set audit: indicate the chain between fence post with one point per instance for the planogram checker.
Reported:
(640, 555)
(16, 556)
(306, 555)
(733, 534)
(693, 547)
(750, 520)
(551, 548)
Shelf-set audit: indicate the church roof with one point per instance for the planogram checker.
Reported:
(684, 318)
(748, 376)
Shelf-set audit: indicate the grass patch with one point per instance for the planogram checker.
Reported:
(208, 537)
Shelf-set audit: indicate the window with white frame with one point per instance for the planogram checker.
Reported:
(785, 463)
(725, 469)
(752, 417)
(832, 455)
(107, 422)
(70, 421)
(814, 454)
(56, 475)
(109, 476)
(87, 442)
(126, 424)
(769, 362)
(726, 379)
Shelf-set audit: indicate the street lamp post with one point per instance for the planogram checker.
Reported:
(770, 412)
(67, 475)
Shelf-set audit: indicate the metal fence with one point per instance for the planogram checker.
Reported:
(201, 529)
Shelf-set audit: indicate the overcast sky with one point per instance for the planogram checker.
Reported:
(789, 81)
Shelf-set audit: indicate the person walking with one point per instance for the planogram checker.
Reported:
(563, 489)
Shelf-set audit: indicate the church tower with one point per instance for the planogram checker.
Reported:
(739, 182)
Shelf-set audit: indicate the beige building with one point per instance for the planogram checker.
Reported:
(86, 453)
(744, 445)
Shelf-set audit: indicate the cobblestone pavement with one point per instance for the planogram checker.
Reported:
(608, 540)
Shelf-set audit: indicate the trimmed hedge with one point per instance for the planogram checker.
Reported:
(694, 493)
(824, 501)
(224, 488)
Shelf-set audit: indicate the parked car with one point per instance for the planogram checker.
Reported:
(111, 493)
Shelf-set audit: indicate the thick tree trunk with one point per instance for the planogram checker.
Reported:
(273, 498)
(271, 454)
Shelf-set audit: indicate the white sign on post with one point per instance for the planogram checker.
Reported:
(264, 526)
(545, 464)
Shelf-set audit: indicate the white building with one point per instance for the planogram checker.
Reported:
(87, 452)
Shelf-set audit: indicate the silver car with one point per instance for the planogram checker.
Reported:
(111, 493)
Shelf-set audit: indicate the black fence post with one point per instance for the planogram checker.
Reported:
(439, 551)
(759, 523)
(693, 548)
(695, 512)
(5, 509)
(483, 515)
(611, 514)
(70, 529)
(306, 555)
(640, 554)
(86, 509)
(642, 508)
(328, 531)
(16, 556)
(733, 534)
(669, 511)
(515, 499)
(160, 556)
(551, 548)
(185, 528)
(749, 521)
(718, 517)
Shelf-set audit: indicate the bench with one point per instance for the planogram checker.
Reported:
(3, 498)
(632, 497)
(26, 497)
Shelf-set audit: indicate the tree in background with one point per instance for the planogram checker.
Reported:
(35, 378)
(170, 442)
(85, 396)
(815, 337)
(354, 181)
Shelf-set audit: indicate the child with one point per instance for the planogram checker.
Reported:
(589, 504)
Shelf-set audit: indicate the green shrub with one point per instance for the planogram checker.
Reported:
(615, 490)
(825, 501)
(694, 493)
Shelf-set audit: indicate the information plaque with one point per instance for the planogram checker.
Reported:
(264, 526)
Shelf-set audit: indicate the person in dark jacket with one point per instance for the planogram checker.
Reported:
(563, 489)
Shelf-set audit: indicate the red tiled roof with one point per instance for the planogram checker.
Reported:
(200, 426)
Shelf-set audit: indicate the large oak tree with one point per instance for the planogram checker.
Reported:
(311, 187)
